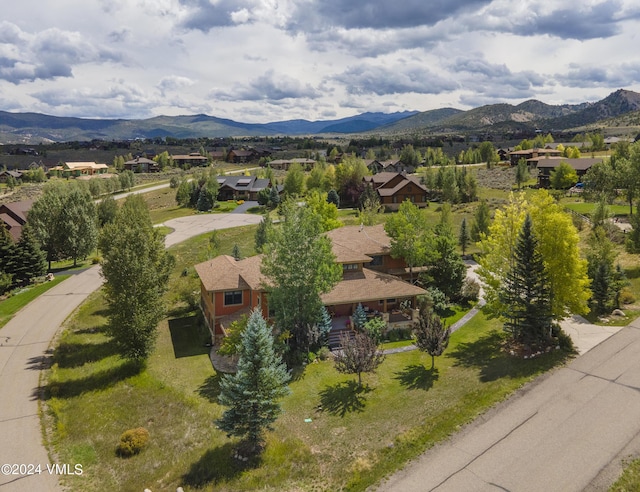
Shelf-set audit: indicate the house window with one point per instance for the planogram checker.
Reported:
(376, 260)
(349, 266)
(233, 297)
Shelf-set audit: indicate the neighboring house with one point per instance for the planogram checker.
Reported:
(14, 216)
(546, 166)
(15, 174)
(516, 155)
(394, 188)
(230, 288)
(285, 164)
(142, 165)
(77, 169)
(218, 155)
(241, 187)
(191, 160)
(374, 166)
(241, 156)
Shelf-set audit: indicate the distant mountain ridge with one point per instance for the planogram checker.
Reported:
(621, 105)
(34, 127)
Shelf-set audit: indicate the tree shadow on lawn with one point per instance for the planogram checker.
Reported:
(210, 389)
(417, 376)
(343, 398)
(215, 466)
(490, 356)
(99, 380)
(69, 355)
(187, 337)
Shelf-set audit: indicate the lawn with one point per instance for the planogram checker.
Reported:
(587, 208)
(355, 436)
(15, 303)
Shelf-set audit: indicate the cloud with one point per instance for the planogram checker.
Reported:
(48, 54)
(621, 75)
(383, 80)
(376, 14)
(270, 87)
(174, 83)
(204, 15)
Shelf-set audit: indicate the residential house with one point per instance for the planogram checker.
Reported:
(516, 155)
(77, 169)
(230, 288)
(285, 164)
(142, 165)
(14, 217)
(546, 166)
(241, 187)
(241, 156)
(191, 160)
(15, 174)
(374, 166)
(394, 188)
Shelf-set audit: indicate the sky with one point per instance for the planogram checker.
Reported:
(260, 61)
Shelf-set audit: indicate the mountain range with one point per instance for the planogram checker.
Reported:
(620, 109)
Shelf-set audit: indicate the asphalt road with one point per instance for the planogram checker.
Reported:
(567, 431)
(25, 349)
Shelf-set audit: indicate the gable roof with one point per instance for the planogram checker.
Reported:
(250, 183)
(359, 241)
(225, 273)
(581, 164)
(368, 285)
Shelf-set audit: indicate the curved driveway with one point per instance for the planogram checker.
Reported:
(25, 349)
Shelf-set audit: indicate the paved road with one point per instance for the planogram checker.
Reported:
(567, 431)
(24, 347)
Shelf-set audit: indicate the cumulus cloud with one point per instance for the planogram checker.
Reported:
(48, 54)
(383, 80)
(619, 75)
(270, 87)
(174, 83)
(204, 15)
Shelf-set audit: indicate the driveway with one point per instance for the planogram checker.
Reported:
(25, 349)
(567, 431)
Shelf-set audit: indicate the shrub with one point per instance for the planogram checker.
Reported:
(626, 296)
(323, 353)
(398, 334)
(470, 290)
(174, 182)
(132, 441)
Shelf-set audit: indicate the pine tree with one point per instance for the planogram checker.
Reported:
(432, 334)
(8, 258)
(235, 252)
(31, 260)
(526, 293)
(464, 238)
(333, 197)
(252, 393)
(262, 233)
(481, 223)
(204, 203)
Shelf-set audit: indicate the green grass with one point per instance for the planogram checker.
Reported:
(587, 208)
(629, 481)
(10, 306)
(356, 436)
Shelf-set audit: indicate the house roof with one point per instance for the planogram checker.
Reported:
(581, 164)
(365, 241)
(250, 183)
(368, 285)
(225, 273)
(84, 165)
(142, 160)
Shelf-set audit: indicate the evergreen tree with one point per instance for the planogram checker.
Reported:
(333, 197)
(359, 317)
(482, 219)
(522, 173)
(432, 334)
(447, 269)
(262, 233)
(31, 260)
(324, 327)
(252, 393)
(8, 258)
(235, 252)
(526, 293)
(464, 237)
(204, 203)
(274, 197)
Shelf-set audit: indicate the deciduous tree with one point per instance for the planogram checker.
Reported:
(358, 353)
(432, 334)
(136, 270)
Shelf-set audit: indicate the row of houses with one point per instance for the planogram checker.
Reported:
(230, 288)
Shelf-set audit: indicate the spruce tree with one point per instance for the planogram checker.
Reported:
(31, 260)
(482, 220)
(262, 233)
(324, 326)
(252, 393)
(359, 317)
(8, 258)
(526, 293)
(464, 238)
